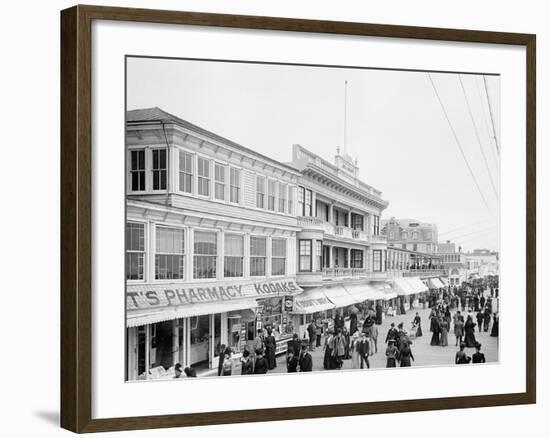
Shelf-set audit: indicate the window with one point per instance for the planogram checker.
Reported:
(282, 197)
(186, 172)
(219, 182)
(305, 255)
(234, 255)
(357, 221)
(301, 198)
(203, 185)
(169, 256)
(415, 235)
(304, 202)
(278, 257)
(137, 170)
(257, 256)
(235, 185)
(391, 235)
(135, 250)
(376, 230)
(260, 191)
(307, 207)
(205, 254)
(356, 258)
(290, 200)
(404, 236)
(159, 169)
(319, 255)
(271, 195)
(377, 260)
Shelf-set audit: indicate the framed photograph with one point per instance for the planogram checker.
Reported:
(257, 202)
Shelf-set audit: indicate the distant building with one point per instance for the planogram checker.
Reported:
(482, 262)
(410, 234)
(454, 262)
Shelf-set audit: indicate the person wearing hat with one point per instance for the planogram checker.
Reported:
(364, 349)
(461, 357)
(306, 360)
(354, 348)
(190, 372)
(391, 354)
(392, 333)
(329, 346)
(405, 354)
(478, 356)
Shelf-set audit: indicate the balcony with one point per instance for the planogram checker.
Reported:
(341, 273)
(425, 273)
(378, 239)
(316, 224)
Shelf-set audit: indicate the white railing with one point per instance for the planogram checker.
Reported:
(344, 272)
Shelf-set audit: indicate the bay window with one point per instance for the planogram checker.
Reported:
(159, 169)
(135, 250)
(137, 170)
(169, 254)
(233, 255)
(205, 254)
(186, 172)
(258, 253)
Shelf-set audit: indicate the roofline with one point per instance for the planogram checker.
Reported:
(206, 133)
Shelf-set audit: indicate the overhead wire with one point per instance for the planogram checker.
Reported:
(477, 136)
(460, 146)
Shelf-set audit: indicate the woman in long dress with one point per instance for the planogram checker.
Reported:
(469, 331)
(494, 329)
(329, 345)
(459, 328)
(417, 322)
(391, 354)
(406, 355)
(270, 345)
(435, 331)
(355, 357)
(444, 327)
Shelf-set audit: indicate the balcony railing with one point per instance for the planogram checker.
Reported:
(424, 272)
(315, 223)
(344, 272)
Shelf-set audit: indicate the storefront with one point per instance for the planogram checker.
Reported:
(409, 292)
(190, 324)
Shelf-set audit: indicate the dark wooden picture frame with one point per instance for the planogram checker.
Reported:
(76, 218)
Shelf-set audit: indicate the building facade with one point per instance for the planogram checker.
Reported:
(410, 234)
(211, 244)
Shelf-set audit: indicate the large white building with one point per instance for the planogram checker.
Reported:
(211, 242)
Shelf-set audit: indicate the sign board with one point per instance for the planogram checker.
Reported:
(154, 296)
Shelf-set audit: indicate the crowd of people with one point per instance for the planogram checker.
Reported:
(355, 338)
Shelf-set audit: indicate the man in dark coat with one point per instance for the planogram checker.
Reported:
(294, 345)
(479, 317)
(291, 362)
(260, 366)
(392, 333)
(270, 347)
(363, 348)
(306, 361)
(311, 331)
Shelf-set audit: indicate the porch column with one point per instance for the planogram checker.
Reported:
(348, 265)
(175, 341)
(331, 213)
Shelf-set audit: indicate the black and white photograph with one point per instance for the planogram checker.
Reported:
(289, 218)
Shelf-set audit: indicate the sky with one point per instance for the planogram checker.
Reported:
(433, 162)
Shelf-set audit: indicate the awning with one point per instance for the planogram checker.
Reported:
(390, 296)
(364, 292)
(311, 301)
(444, 281)
(435, 283)
(402, 286)
(339, 296)
(417, 285)
(140, 317)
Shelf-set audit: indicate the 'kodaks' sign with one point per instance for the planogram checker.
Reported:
(162, 295)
